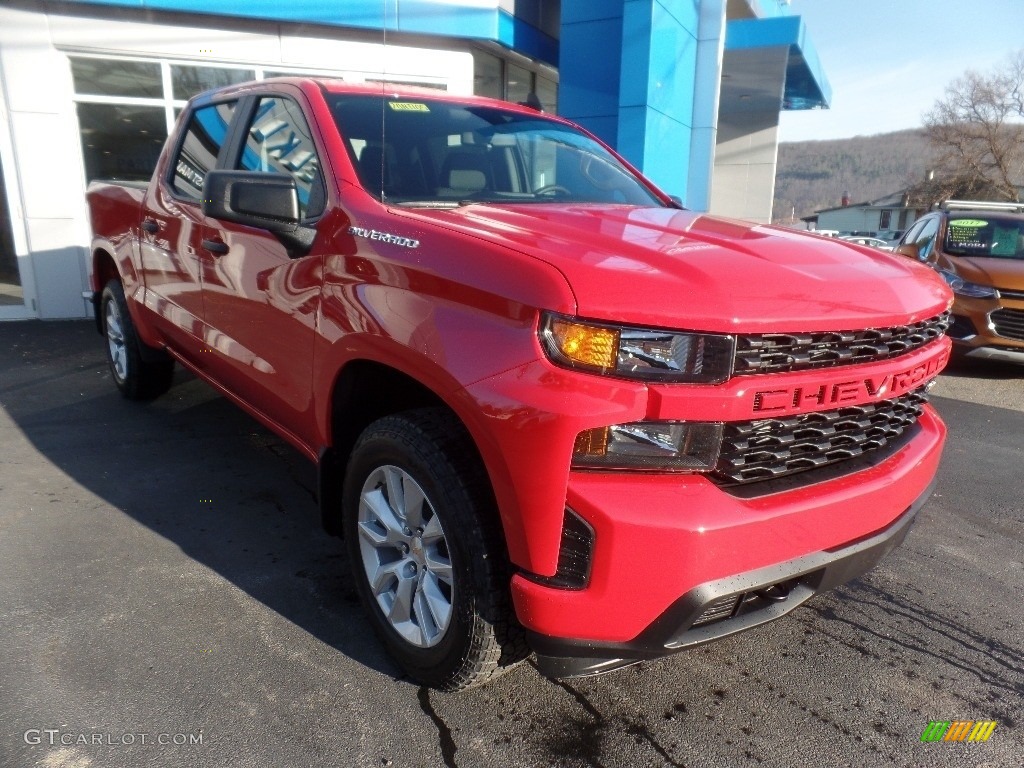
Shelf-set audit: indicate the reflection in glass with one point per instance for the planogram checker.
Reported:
(280, 142)
(120, 141)
(207, 129)
(186, 82)
(113, 77)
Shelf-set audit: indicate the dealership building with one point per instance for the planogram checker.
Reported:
(689, 91)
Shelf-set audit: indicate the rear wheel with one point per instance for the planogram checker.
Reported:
(136, 377)
(427, 552)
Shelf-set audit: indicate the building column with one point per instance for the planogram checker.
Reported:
(643, 75)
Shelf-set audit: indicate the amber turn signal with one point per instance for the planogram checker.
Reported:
(589, 345)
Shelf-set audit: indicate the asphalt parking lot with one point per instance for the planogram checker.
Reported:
(168, 599)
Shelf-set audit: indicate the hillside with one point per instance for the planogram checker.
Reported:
(815, 174)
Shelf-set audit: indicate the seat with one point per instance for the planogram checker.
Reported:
(466, 171)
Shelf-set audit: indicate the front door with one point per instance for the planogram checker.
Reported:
(260, 296)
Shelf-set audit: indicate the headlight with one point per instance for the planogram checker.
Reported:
(638, 353)
(655, 445)
(963, 288)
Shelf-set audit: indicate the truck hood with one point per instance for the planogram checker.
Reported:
(674, 268)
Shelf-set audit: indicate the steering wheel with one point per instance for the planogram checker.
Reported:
(552, 189)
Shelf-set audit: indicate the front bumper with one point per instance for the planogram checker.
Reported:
(679, 561)
(724, 607)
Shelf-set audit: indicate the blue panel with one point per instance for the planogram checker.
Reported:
(762, 33)
(658, 145)
(685, 12)
(589, 71)
(636, 45)
(667, 156)
(673, 65)
(659, 66)
(574, 11)
(633, 135)
(526, 39)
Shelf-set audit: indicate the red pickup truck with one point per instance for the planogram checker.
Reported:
(552, 411)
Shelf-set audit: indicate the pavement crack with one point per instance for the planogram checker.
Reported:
(448, 748)
(581, 739)
(583, 700)
(638, 730)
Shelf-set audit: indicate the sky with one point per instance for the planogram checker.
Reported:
(888, 61)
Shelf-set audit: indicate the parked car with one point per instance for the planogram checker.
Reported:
(873, 242)
(978, 248)
(551, 410)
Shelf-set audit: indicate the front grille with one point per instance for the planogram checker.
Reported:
(1009, 323)
(777, 352)
(772, 448)
(1009, 293)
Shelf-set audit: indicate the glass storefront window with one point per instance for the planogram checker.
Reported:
(187, 81)
(121, 141)
(519, 83)
(487, 78)
(114, 77)
(547, 92)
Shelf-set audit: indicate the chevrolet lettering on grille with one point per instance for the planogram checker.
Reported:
(813, 397)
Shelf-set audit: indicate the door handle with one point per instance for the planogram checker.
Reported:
(150, 226)
(216, 247)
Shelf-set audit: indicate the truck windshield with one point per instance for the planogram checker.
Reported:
(980, 235)
(420, 152)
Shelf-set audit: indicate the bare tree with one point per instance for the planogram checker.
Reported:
(978, 131)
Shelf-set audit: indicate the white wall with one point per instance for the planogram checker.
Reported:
(39, 140)
(745, 163)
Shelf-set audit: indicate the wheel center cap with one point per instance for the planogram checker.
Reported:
(416, 548)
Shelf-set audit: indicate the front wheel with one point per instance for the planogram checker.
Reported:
(136, 377)
(427, 552)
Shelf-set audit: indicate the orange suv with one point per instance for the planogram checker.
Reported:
(978, 248)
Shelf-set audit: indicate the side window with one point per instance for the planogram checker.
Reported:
(925, 239)
(204, 137)
(279, 141)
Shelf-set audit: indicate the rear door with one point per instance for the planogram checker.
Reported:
(172, 228)
(261, 295)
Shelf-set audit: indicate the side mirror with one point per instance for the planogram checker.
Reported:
(266, 200)
(907, 249)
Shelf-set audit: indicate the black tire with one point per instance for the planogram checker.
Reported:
(137, 377)
(482, 638)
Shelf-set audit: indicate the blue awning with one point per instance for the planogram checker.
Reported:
(806, 85)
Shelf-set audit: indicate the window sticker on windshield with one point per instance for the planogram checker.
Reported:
(965, 235)
(408, 106)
